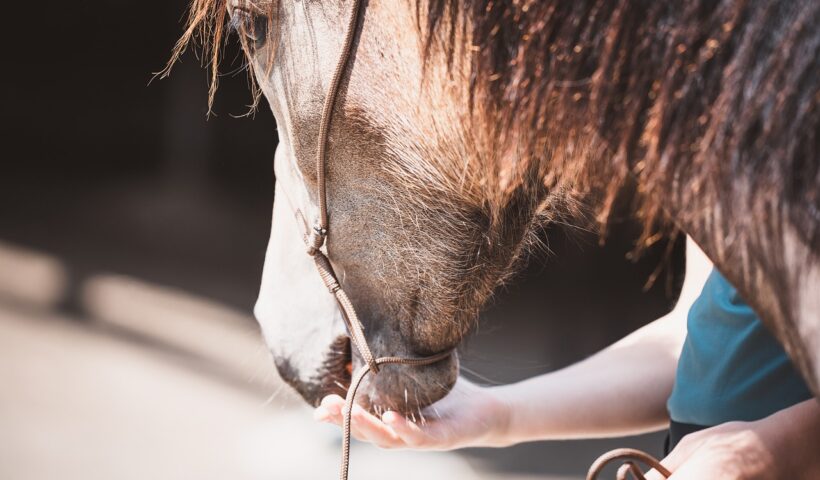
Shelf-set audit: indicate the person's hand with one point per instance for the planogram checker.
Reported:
(468, 416)
(734, 450)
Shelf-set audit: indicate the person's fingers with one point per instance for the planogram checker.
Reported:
(330, 410)
(676, 458)
(363, 426)
(333, 403)
(410, 433)
(654, 475)
(368, 427)
(320, 414)
(682, 452)
(391, 431)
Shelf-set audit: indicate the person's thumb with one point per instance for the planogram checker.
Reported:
(673, 461)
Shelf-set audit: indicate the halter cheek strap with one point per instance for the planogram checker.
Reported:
(315, 238)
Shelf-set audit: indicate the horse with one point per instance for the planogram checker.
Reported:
(462, 127)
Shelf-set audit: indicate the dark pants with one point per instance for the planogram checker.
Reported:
(676, 432)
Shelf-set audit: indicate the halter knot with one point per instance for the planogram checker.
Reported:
(315, 240)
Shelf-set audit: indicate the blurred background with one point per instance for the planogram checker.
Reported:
(132, 238)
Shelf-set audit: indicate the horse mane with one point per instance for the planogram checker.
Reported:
(686, 97)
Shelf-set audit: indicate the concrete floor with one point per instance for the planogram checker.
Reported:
(80, 400)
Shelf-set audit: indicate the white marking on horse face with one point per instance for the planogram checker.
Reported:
(291, 187)
(298, 317)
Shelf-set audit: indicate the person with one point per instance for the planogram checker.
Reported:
(734, 405)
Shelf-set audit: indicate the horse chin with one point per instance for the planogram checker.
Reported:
(401, 388)
(407, 389)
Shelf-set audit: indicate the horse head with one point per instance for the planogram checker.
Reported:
(462, 127)
(419, 237)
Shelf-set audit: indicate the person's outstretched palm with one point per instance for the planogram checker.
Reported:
(469, 416)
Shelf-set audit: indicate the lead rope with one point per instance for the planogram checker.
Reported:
(629, 456)
(315, 240)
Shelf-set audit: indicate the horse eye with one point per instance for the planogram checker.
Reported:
(253, 26)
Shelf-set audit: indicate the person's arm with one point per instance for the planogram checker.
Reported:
(618, 391)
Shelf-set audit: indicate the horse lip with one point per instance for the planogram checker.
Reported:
(336, 371)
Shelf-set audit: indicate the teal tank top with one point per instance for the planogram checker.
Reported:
(731, 367)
